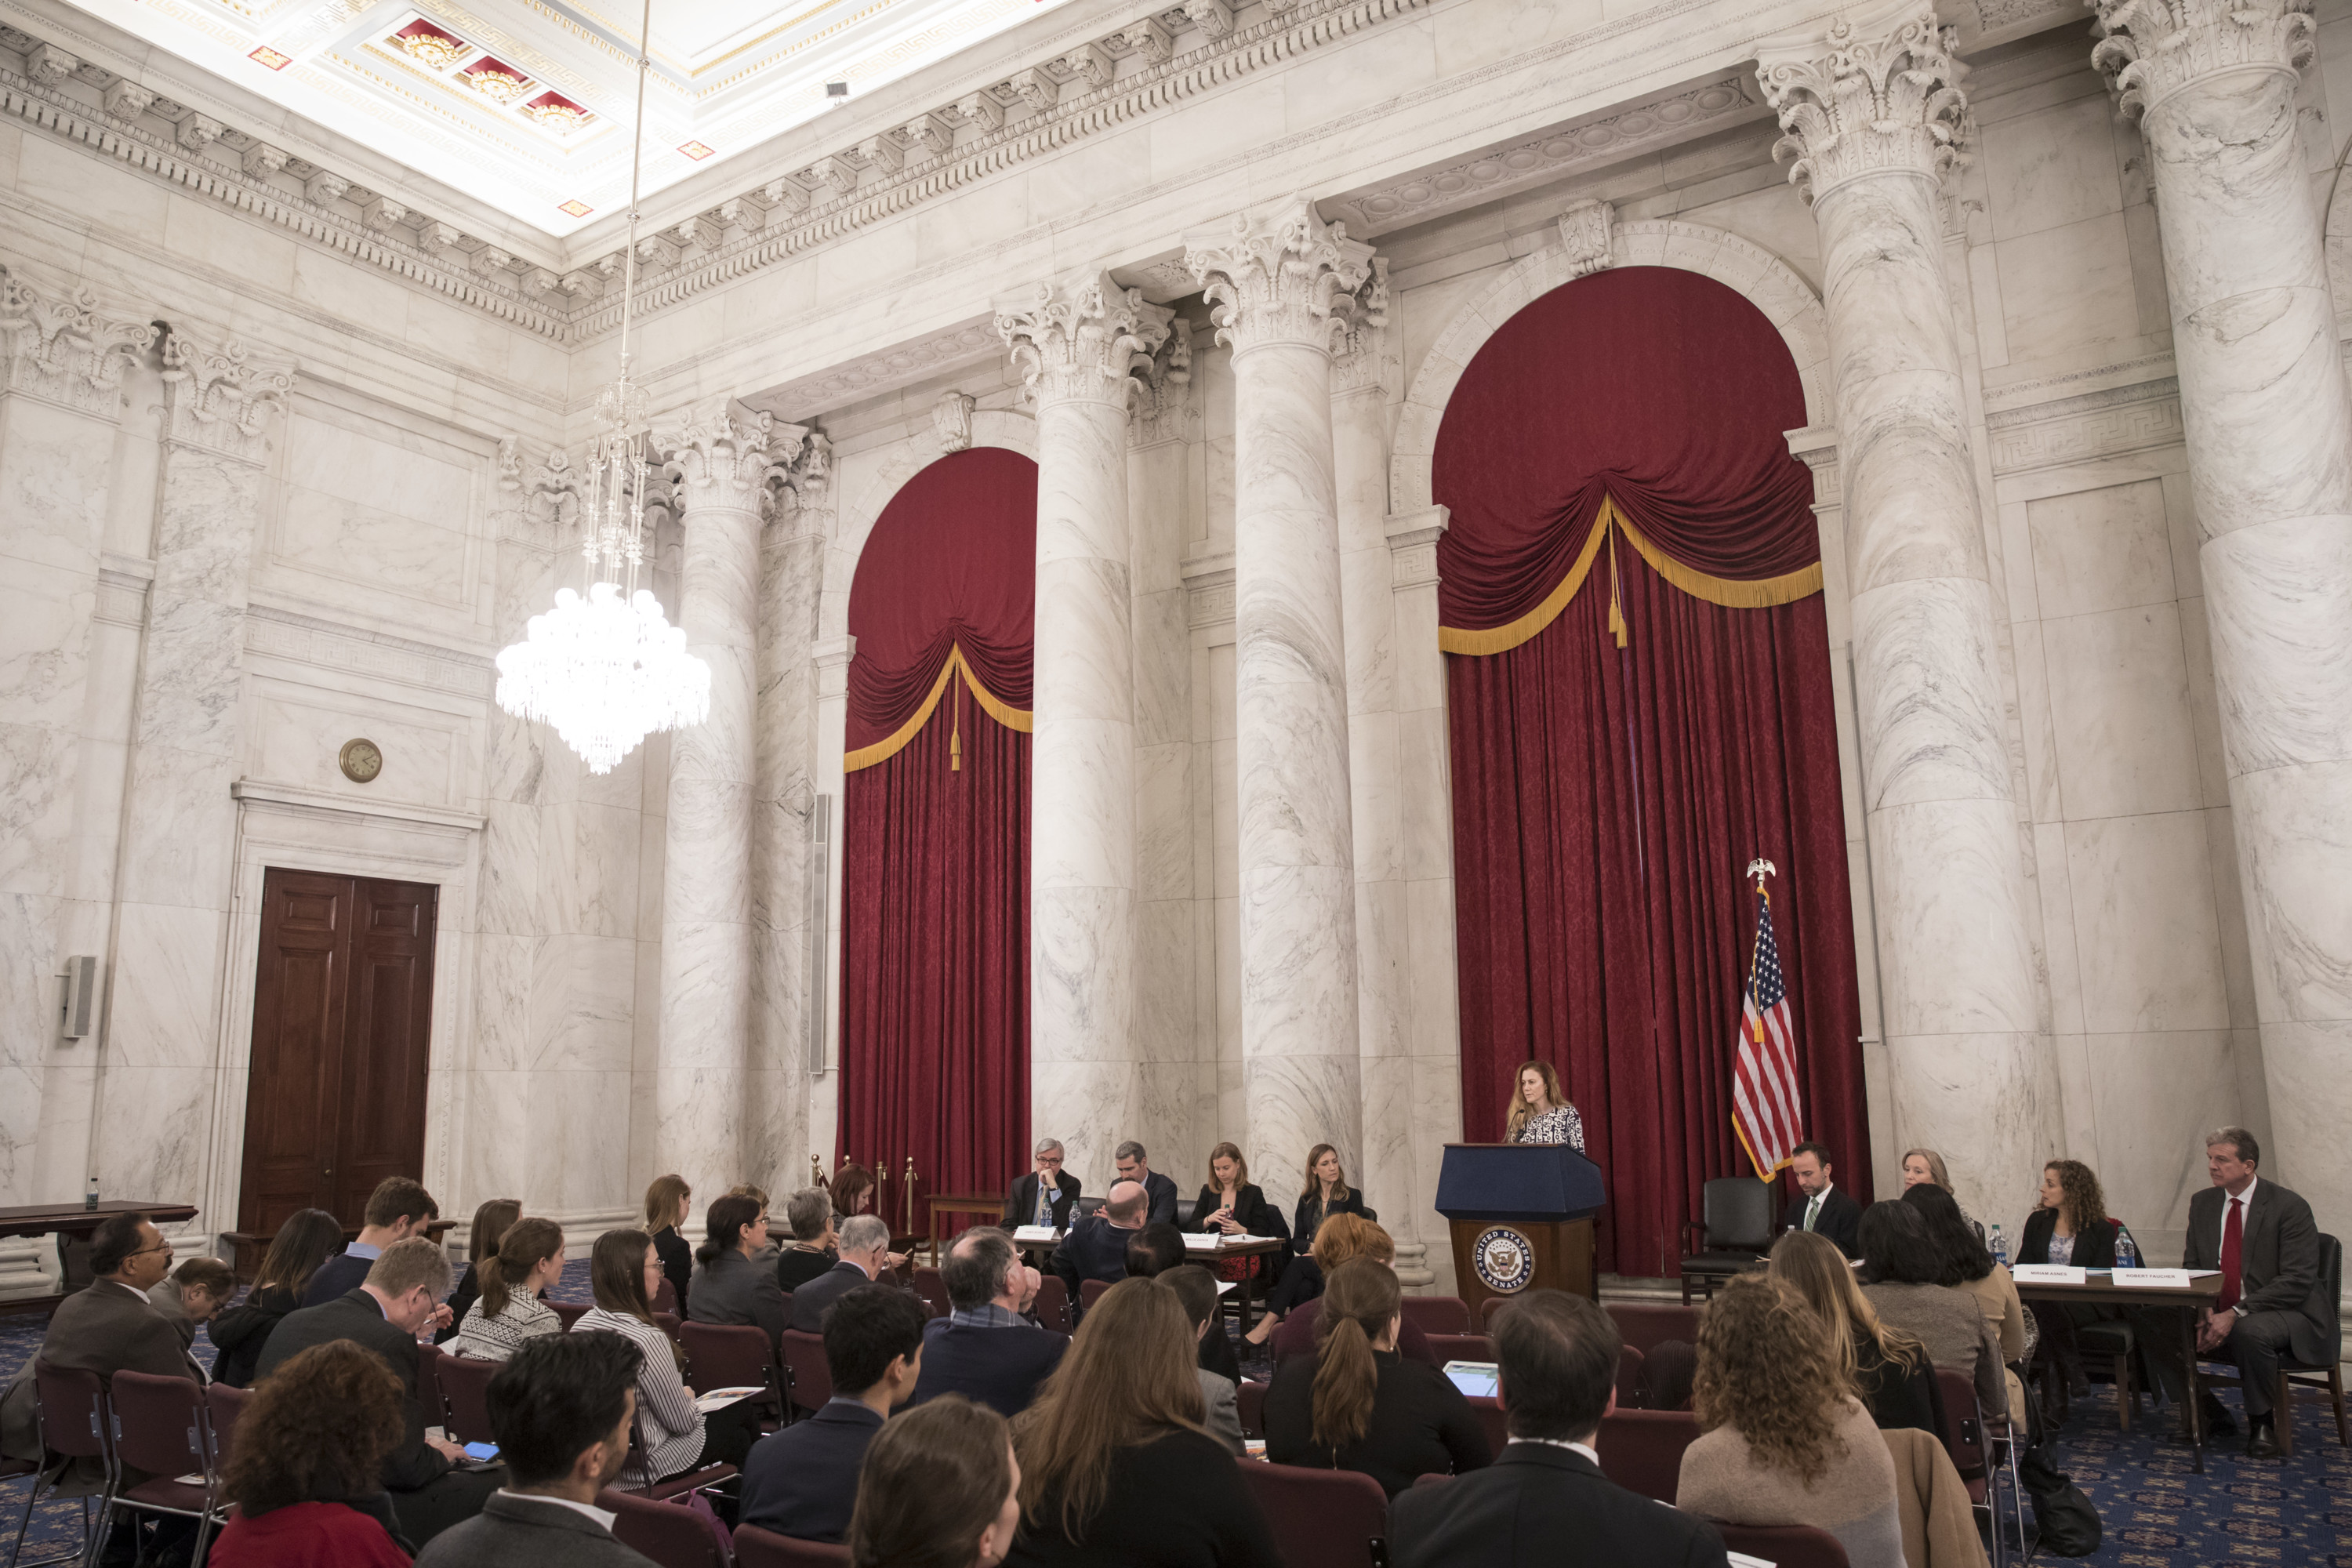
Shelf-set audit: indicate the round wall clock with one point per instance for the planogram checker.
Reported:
(360, 760)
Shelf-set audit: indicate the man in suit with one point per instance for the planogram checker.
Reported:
(397, 1209)
(1820, 1206)
(1046, 1195)
(1220, 1396)
(1095, 1247)
(560, 1407)
(802, 1481)
(865, 1257)
(987, 1348)
(1544, 1499)
(385, 1314)
(1154, 1250)
(2265, 1243)
(1159, 1192)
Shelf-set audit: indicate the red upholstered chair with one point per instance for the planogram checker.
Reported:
(1438, 1315)
(1486, 1311)
(672, 1534)
(665, 1299)
(932, 1287)
(222, 1405)
(1431, 1479)
(1491, 1417)
(71, 1409)
(1642, 1450)
(428, 1380)
(160, 1427)
(1965, 1440)
(757, 1548)
(1645, 1324)
(1461, 1347)
(731, 1355)
(1321, 1518)
(466, 1398)
(1784, 1545)
(672, 1324)
(1628, 1377)
(810, 1382)
(1052, 1308)
(1089, 1292)
(1249, 1403)
(572, 1311)
(700, 1478)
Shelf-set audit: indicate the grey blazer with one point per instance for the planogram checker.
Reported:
(514, 1531)
(1224, 1417)
(734, 1289)
(2278, 1261)
(105, 1328)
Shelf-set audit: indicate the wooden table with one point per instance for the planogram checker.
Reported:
(1246, 1247)
(74, 1222)
(978, 1205)
(2100, 1290)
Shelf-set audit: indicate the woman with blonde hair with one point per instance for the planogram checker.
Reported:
(1360, 1405)
(1539, 1111)
(529, 1258)
(1887, 1368)
(1782, 1439)
(668, 1202)
(1114, 1465)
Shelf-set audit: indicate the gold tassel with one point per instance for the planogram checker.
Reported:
(955, 737)
(1616, 608)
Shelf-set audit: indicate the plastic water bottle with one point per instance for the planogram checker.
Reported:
(2000, 1246)
(2126, 1255)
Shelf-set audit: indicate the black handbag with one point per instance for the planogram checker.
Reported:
(2065, 1519)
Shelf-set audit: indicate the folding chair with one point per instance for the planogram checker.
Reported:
(1461, 1347)
(223, 1406)
(465, 1385)
(572, 1311)
(1322, 1519)
(1735, 1233)
(161, 1427)
(74, 1419)
(701, 1479)
(1972, 1451)
(46, 1479)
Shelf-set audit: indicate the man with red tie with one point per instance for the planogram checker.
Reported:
(2263, 1240)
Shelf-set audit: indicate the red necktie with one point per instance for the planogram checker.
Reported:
(2233, 1237)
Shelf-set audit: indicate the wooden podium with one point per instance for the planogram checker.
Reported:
(1522, 1219)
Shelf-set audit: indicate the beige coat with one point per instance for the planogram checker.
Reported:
(1939, 1530)
(2004, 1314)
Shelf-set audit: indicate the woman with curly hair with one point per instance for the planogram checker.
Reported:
(306, 1473)
(1782, 1440)
(2071, 1227)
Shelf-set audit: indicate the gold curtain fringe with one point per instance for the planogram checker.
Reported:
(1732, 592)
(995, 706)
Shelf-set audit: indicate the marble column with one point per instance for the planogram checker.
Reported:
(831, 658)
(61, 364)
(1281, 283)
(723, 460)
(174, 874)
(1873, 110)
(1076, 342)
(2269, 429)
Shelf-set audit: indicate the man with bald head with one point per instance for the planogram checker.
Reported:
(1095, 1247)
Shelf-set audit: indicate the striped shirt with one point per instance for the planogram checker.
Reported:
(484, 1338)
(668, 1424)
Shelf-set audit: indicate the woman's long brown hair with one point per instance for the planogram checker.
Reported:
(490, 1222)
(1241, 1167)
(616, 1273)
(1128, 1377)
(523, 1247)
(1516, 1117)
(1359, 1300)
(1812, 1263)
(1313, 1187)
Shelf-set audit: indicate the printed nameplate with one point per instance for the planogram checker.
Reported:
(2047, 1274)
(2152, 1278)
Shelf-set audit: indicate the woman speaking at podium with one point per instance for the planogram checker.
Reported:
(1541, 1113)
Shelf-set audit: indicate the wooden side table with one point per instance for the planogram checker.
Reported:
(978, 1205)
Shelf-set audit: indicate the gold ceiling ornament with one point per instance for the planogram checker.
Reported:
(361, 759)
(499, 87)
(432, 49)
(557, 116)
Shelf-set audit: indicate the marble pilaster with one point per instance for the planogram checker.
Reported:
(1076, 342)
(1872, 111)
(1281, 283)
(831, 659)
(724, 459)
(2268, 425)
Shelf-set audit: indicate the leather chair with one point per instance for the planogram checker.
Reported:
(757, 1548)
(672, 1534)
(1642, 1450)
(1438, 1315)
(2327, 1378)
(1735, 1234)
(466, 1398)
(1322, 1519)
(160, 1427)
(1784, 1545)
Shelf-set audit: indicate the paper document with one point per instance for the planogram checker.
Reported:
(1225, 1285)
(720, 1398)
(1741, 1560)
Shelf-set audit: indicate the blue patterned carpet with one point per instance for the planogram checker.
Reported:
(2240, 1514)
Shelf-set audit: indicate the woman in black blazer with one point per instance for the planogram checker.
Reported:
(1325, 1194)
(1231, 1203)
(2071, 1227)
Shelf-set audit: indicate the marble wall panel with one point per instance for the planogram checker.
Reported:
(2154, 1097)
(2145, 920)
(2104, 549)
(2050, 167)
(384, 511)
(2069, 288)
(2119, 706)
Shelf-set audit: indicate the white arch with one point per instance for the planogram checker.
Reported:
(1763, 278)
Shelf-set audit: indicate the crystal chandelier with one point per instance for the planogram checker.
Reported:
(607, 668)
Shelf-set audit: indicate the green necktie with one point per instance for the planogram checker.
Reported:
(1811, 1209)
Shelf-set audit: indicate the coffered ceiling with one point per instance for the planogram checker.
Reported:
(528, 104)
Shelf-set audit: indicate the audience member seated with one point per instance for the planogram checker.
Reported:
(2071, 1229)
(306, 1474)
(1544, 1503)
(509, 1312)
(1819, 1206)
(1782, 1439)
(668, 1203)
(624, 1270)
(815, 1248)
(490, 1222)
(802, 1481)
(1095, 1246)
(1231, 1204)
(1925, 1167)
(307, 1239)
(560, 1409)
(987, 1348)
(1342, 1236)
(1046, 1194)
(1159, 1191)
(1903, 1274)
(941, 1490)
(1114, 1465)
(853, 1192)
(865, 1257)
(1154, 1250)
(1326, 1195)
(729, 1286)
(1969, 1266)
(766, 1256)
(1887, 1366)
(194, 1293)
(1358, 1406)
(397, 1209)
(1220, 1392)
(385, 1314)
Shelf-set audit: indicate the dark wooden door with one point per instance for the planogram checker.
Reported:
(343, 1018)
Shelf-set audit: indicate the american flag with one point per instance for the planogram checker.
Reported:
(1768, 1110)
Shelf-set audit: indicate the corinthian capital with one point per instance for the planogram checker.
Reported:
(1878, 94)
(69, 351)
(723, 455)
(1077, 341)
(2151, 49)
(222, 398)
(1281, 275)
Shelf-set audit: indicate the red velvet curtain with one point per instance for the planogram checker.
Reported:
(935, 835)
(1606, 799)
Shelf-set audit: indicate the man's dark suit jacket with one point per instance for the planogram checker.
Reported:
(2278, 1260)
(106, 1327)
(1095, 1249)
(996, 1367)
(528, 1533)
(802, 1481)
(337, 1277)
(1540, 1505)
(811, 1300)
(1840, 1219)
(1020, 1203)
(1160, 1199)
(355, 1316)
